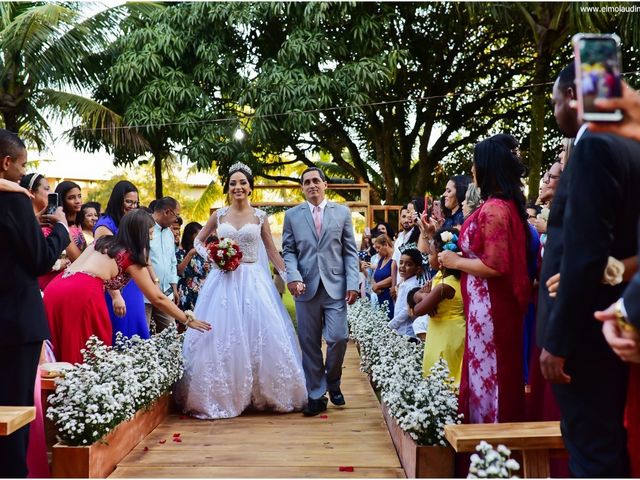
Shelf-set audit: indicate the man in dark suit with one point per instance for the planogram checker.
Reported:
(593, 216)
(24, 255)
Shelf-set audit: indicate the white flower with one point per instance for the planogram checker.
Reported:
(446, 236)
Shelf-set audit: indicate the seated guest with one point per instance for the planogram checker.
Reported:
(109, 263)
(25, 254)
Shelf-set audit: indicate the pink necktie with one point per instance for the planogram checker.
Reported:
(317, 220)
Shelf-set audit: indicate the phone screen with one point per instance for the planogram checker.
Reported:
(52, 203)
(598, 70)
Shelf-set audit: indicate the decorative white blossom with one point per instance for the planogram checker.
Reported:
(421, 407)
(446, 236)
(490, 463)
(114, 383)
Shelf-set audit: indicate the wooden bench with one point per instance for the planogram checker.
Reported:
(14, 418)
(534, 439)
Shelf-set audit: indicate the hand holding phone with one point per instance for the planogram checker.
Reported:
(53, 202)
(598, 75)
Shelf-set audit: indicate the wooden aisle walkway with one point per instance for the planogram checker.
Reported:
(269, 445)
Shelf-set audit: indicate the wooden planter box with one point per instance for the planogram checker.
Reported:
(100, 459)
(419, 461)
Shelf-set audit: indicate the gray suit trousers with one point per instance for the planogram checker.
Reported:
(318, 317)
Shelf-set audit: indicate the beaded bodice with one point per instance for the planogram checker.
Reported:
(247, 236)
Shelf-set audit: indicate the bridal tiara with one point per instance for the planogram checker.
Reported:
(240, 166)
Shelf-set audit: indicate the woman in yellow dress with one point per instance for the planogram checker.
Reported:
(443, 302)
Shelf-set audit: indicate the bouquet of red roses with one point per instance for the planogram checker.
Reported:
(225, 253)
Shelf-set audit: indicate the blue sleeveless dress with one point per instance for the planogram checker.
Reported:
(379, 275)
(135, 321)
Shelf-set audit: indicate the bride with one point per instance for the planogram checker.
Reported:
(251, 356)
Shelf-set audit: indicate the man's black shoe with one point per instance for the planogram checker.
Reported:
(315, 406)
(336, 397)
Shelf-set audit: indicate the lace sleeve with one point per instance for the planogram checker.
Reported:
(491, 240)
(200, 248)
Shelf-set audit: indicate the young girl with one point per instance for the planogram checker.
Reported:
(410, 268)
(443, 301)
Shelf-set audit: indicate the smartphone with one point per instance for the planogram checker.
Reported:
(53, 201)
(367, 231)
(598, 74)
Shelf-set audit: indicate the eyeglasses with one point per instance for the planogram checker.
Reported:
(549, 176)
(131, 203)
(174, 214)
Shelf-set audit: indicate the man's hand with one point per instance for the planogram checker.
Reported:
(296, 288)
(553, 284)
(351, 297)
(625, 344)
(553, 368)
(630, 104)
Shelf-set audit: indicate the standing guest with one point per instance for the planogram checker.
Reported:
(472, 200)
(163, 261)
(25, 254)
(382, 276)
(383, 228)
(407, 238)
(70, 196)
(594, 215)
(495, 287)
(454, 195)
(39, 188)
(126, 306)
(87, 218)
(444, 303)
(110, 263)
(192, 268)
(410, 267)
(175, 229)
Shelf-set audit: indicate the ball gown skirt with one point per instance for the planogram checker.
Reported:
(250, 357)
(76, 310)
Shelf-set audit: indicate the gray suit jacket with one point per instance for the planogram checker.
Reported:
(332, 258)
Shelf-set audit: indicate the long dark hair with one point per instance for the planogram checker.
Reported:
(499, 172)
(62, 189)
(31, 181)
(190, 229)
(461, 183)
(115, 205)
(132, 236)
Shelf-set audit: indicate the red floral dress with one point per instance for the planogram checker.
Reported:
(492, 385)
(76, 309)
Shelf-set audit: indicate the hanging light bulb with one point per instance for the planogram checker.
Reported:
(238, 135)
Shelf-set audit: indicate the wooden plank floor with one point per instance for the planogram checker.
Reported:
(270, 445)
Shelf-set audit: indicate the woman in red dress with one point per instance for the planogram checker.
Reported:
(495, 287)
(74, 301)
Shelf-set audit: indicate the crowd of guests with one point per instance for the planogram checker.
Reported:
(535, 307)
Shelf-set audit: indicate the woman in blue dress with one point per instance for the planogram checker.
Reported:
(126, 307)
(385, 272)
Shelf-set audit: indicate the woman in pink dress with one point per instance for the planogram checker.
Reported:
(495, 287)
(75, 303)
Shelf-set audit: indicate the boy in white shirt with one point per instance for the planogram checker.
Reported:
(410, 267)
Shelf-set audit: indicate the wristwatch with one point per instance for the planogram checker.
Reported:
(621, 318)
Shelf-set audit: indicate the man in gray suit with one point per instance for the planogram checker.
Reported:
(321, 258)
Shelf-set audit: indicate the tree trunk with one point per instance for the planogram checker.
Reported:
(538, 102)
(157, 166)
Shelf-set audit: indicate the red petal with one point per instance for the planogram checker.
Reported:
(323, 416)
(163, 441)
(145, 449)
(176, 435)
(345, 469)
(177, 439)
(183, 417)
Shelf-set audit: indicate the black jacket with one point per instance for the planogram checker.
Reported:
(593, 216)
(25, 254)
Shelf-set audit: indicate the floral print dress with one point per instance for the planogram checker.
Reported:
(191, 279)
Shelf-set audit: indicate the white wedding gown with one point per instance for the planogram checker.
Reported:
(251, 356)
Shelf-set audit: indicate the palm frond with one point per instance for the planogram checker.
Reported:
(98, 122)
(211, 195)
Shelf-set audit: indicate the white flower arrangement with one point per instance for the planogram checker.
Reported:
(421, 407)
(490, 463)
(114, 383)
